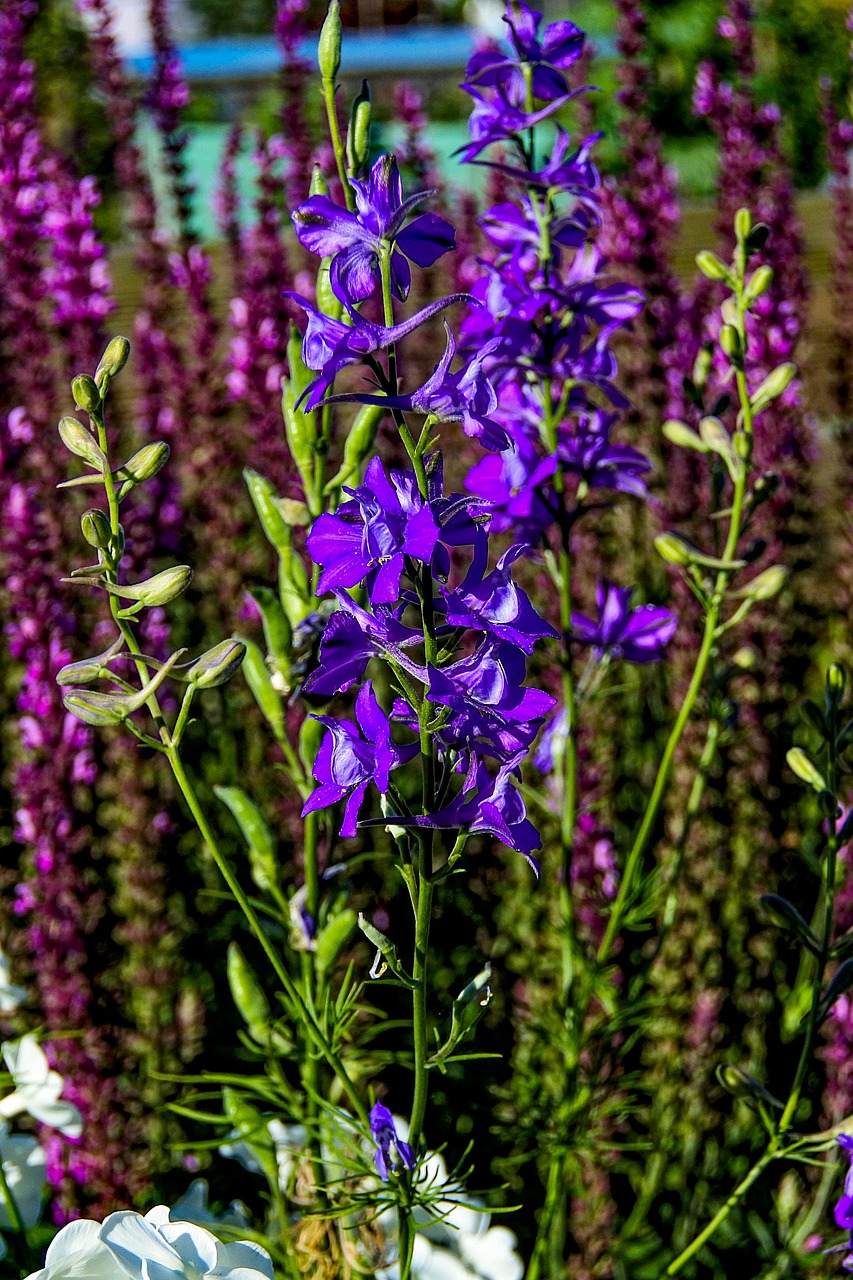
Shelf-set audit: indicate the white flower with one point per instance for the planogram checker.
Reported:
(127, 1246)
(11, 994)
(492, 1254)
(155, 1248)
(37, 1088)
(289, 1141)
(24, 1168)
(78, 1253)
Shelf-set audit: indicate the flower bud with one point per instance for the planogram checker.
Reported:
(333, 938)
(144, 464)
(758, 283)
(785, 915)
(294, 513)
(685, 437)
(97, 709)
(715, 436)
(478, 988)
(96, 529)
(113, 360)
(731, 344)
(78, 440)
(712, 266)
(86, 394)
(267, 504)
(757, 238)
(256, 833)
(247, 994)
(89, 669)
(319, 186)
(702, 364)
(743, 223)
(800, 763)
(767, 584)
(773, 386)
(218, 665)
(329, 48)
(836, 679)
(160, 589)
(358, 134)
(672, 548)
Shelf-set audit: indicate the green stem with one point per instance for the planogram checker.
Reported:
(337, 143)
(720, 1216)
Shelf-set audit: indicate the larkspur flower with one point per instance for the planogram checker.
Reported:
(541, 59)
(351, 637)
(348, 760)
(355, 241)
(493, 602)
(392, 1154)
(369, 536)
(638, 635)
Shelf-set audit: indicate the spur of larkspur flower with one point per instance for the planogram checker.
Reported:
(355, 241)
(638, 635)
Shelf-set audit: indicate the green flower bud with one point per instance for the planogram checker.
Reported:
(86, 394)
(785, 915)
(358, 445)
(358, 134)
(731, 344)
(160, 589)
(301, 431)
(112, 361)
(767, 584)
(327, 301)
(218, 665)
(332, 939)
(715, 436)
(685, 437)
(776, 382)
(319, 186)
(78, 440)
(144, 464)
(294, 513)
(836, 679)
(673, 549)
(96, 529)
(758, 283)
(89, 669)
(702, 364)
(329, 48)
(97, 709)
(712, 266)
(744, 1086)
(800, 763)
(743, 224)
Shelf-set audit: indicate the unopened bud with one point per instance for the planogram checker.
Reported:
(79, 441)
(113, 360)
(712, 266)
(757, 238)
(329, 48)
(319, 186)
(86, 394)
(743, 223)
(672, 548)
(685, 437)
(836, 678)
(97, 709)
(96, 529)
(145, 463)
(218, 665)
(702, 364)
(89, 669)
(768, 584)
(731, 344)
(801, 763)
(358, 134)
(478, 989)
(267, 505)
(295, 513)
(159, 589)
(715, 436)
(773, 386)
(759, 283)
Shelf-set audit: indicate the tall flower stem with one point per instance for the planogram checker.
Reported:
(776, 1146)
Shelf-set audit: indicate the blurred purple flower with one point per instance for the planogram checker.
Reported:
(391, 1152)
(638, 635)
(559, 47)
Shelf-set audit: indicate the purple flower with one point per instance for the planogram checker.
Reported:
(329, 345)
(561, 46)
(354, 241)
(348, 760)
(466, 396)
(351, 637)
(502, 118)
(369, 537)
(514, 485)
(493, 602)
(638, 635)
(600, 464)
(844, 1207)
(391, 1152)
(489, 805)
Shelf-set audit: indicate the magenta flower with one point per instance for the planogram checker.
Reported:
(351, 757)
(354, 241)
(638, 635)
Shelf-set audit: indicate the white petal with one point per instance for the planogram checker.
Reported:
(134, 1241)
(493, 1254)
(78, 1253)
(26, 1060)
(193, 1245)
(244, 1255)
(63, 1116)
(440, 1265)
